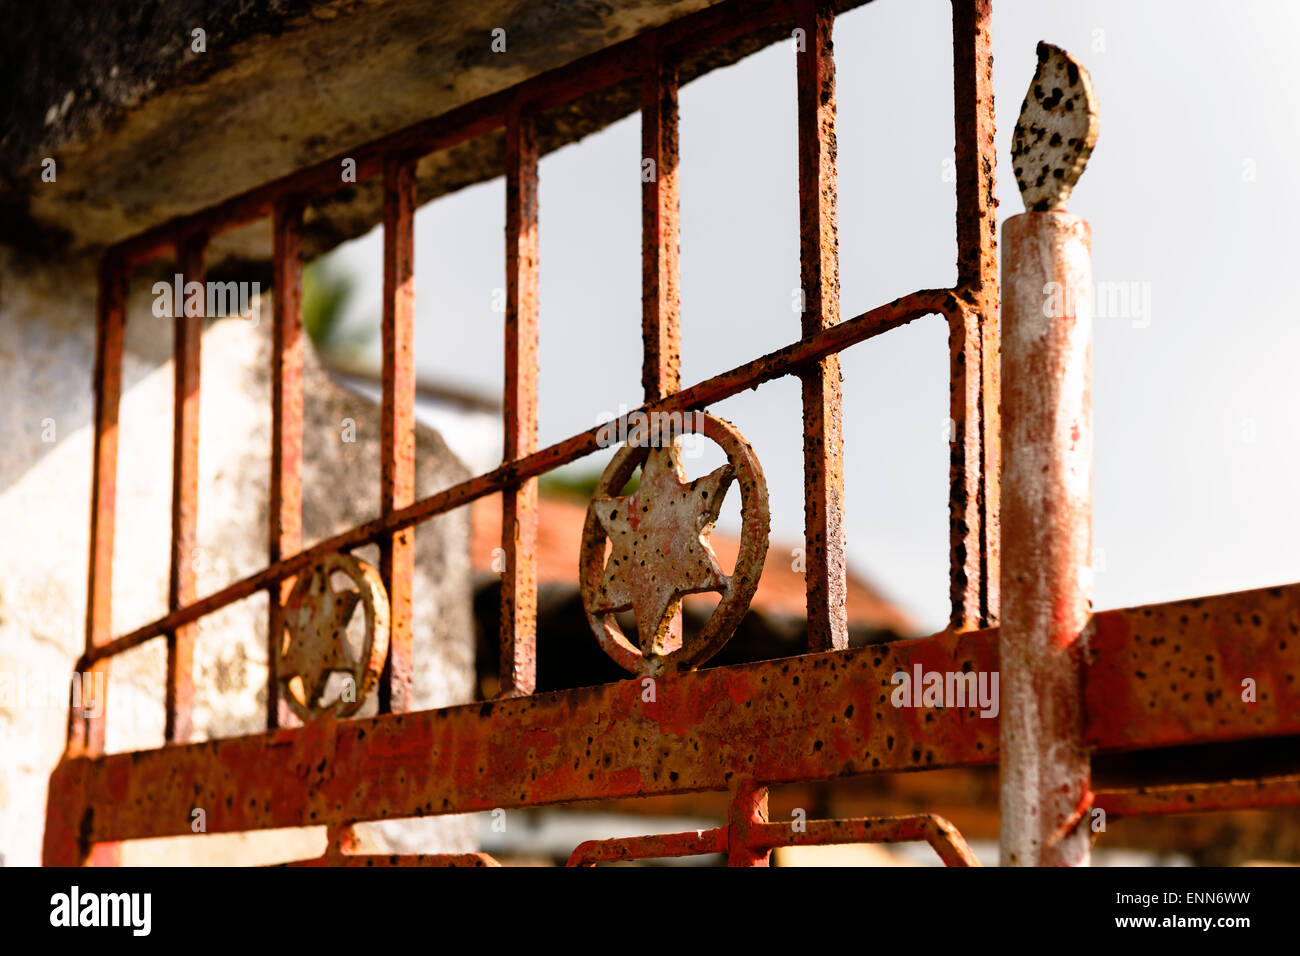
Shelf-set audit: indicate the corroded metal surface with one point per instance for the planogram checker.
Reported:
(819, 272)
(804, 718)
(345, 848)
(86, 733)
(1056, 131)
(179, 697)
(1203, 797)
(457, 860)
(285, 506)
(316, 645)
(660, 551)
(1047, 549)
(973, 330)
(1232, 660)
(397, 425)
(764, 837)
(519, 503)
(1046, 489)
(656, 846)
(661, 367)
(813, 717)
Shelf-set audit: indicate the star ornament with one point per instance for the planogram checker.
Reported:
(317, 643)
(660, 550)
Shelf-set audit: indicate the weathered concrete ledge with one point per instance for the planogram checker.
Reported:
(143, 128)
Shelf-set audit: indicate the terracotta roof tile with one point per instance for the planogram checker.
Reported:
(780, 590)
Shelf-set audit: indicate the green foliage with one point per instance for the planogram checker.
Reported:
(325, 295)
(580, 485)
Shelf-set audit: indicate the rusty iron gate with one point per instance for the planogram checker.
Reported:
(1151, 678)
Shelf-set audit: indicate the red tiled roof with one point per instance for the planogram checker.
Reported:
(780, 590)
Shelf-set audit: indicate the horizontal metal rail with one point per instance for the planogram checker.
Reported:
(945, 839)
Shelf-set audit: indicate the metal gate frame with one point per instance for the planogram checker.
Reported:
(1148, 678)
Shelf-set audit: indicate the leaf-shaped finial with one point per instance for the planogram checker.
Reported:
(1056, 131)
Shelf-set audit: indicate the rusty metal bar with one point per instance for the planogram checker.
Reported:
(661, 363)
(661, 368)
(657, 846)
(747, 815)
(1202, 797)
(1202, 652)
(945, 838)
(784, 361)
(443, 761)
(974, 337)
(762, 837)
(1047, 515)
(397, 426)
(823, 446)
(86, 733)
(185, 490)
(470, 860)
(86, 728)
(285, 505)
(344, 848)
(519, 502)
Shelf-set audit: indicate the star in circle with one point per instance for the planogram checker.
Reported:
(659, 538)
(317, 644)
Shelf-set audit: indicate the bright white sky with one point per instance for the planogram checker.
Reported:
(1192, 193)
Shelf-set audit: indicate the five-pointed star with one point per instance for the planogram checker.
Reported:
(660, 544)
(318, 643)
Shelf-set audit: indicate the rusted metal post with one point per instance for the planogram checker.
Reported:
(823, 448)
(1047, 520)
(661, 370)
(285, 506)
(973, 336)
(185, 487)
(1046, 480)
(748, 815)
(397, 428)
(661, 365)
(86, 725)
(519, 502)
(86, 733)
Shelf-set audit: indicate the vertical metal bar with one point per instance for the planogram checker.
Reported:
(661, 367)
(285, 506)
(397, 428)
(1047, 512)
(185, 488)
(87, 727)
(519, 502)
(747, 813)
(974, 335)
(661, 370)
(819, 269)
(86, 724)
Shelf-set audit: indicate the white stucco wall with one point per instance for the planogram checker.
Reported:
(46, 358)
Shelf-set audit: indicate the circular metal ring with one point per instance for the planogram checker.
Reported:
(655, 655)
(314, 643)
